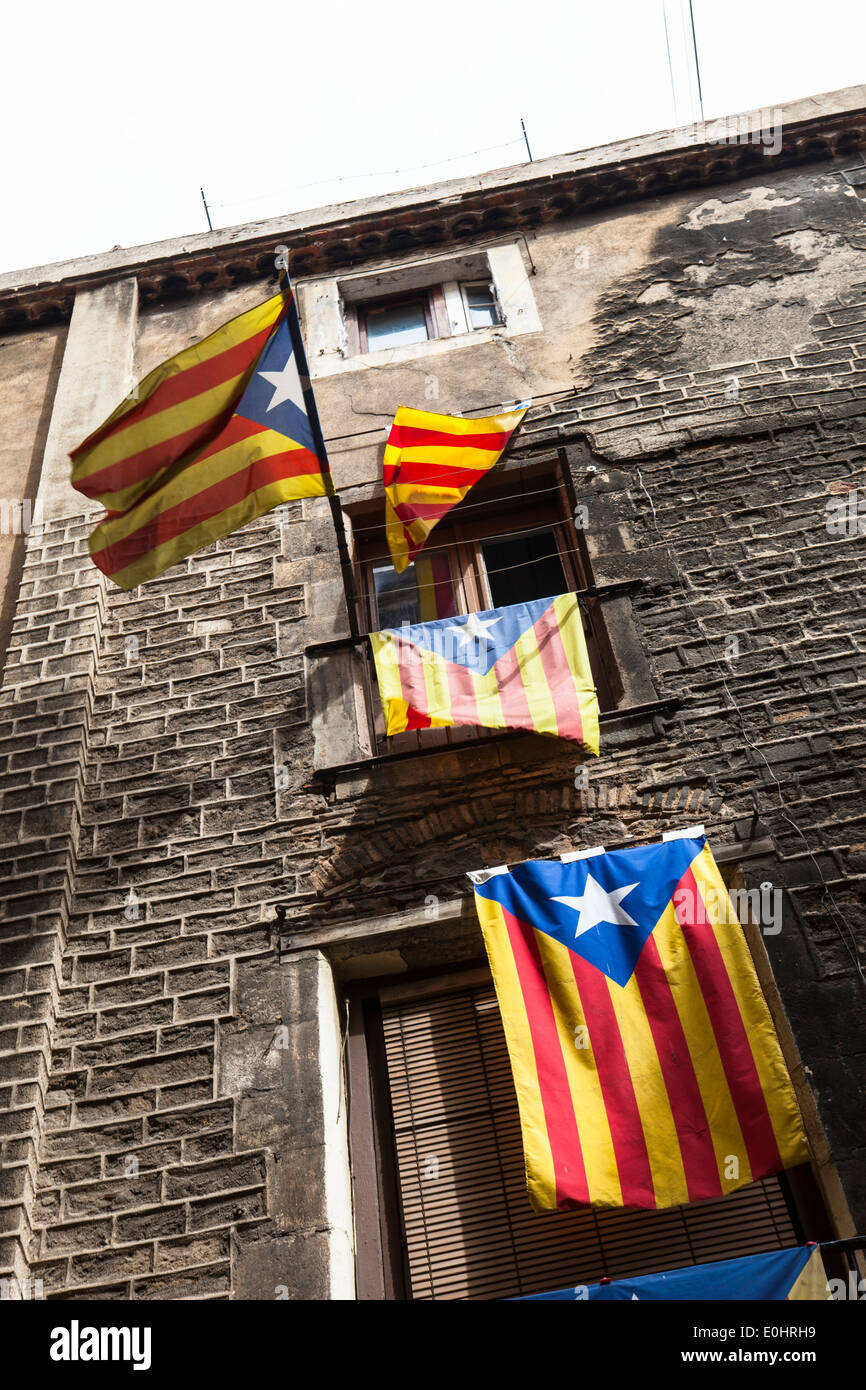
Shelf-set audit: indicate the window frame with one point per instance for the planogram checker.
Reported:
(461, 540)
(465, 286)
(430, 296)
(381, 1263)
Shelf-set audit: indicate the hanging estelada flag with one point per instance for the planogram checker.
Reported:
(431, 462)
(647, 1068)
(520, 667)
(217, 435)
(796, 1275)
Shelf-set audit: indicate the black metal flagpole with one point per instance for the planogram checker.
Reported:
(281, 262)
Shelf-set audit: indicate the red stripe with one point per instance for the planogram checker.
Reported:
(512, 695)
(730, 1031)
(557, 673)
(191, 381)
(572, 1189)
(681, 1083)
(174, 521)
(617, 1087)
(411, 436)
(411, 668)
(421, 511)
(151, 461)
(429, 474)
(461, 688)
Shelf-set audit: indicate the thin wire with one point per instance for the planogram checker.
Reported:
(499, 569)
(373, 174)
(754, 747)
(472, 507)
(496, 406)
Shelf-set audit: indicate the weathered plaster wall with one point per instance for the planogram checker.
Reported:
(29, 367)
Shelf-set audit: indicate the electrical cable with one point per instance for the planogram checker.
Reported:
(372, 174)
(470, 507)
(498, 407)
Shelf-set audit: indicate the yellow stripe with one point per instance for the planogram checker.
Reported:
(255, 504)
(725, 1131)
(651, 1096)
(394, 707)
(396, 537)
(488, 701)
(538, 695)
(769, 1062)
(208, 405)
(455, 424)
(447, 456)
(811, 1283)
(587, 1098)
(567, 609)
(193, 479)
(438, 694)
(540, 1175)
(426, 589)
(228, 335)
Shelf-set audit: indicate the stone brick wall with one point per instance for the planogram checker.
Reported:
(158, 1139)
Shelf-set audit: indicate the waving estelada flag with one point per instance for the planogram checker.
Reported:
(520, 667)
(647, 1068)
(219, 434)
(431, 462)
(796, 1275)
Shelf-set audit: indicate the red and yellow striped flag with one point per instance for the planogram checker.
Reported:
(431, 462)
(647, 1068)
(216, 436)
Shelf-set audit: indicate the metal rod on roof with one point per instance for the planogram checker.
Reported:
(526, 139)
(206, 210)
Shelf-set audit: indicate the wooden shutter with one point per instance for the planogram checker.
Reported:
(470, 1231)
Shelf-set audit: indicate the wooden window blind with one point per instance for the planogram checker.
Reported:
(469, 1230)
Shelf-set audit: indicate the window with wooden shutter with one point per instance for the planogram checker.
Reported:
(468, 1229)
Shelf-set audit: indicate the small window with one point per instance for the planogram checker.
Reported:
(482, 310)
(523, 567)
(393, 325)
(398, 320)
(488, 555)
(438, 1171)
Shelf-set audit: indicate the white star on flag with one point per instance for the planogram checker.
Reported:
(286, 384)
(474, 629)
(596, 905)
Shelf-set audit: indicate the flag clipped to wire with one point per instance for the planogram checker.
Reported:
(221, 433)
(524, 666)
(431, 462)
(647, 1068)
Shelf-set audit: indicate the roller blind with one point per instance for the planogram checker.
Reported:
(469, 1229)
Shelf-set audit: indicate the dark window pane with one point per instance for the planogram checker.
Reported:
(523, 567)
(392, 325)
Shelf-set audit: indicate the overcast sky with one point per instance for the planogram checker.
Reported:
(114, 114)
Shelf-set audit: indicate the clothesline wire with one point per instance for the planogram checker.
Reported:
(470, 507)
(497, 407)
(372, 174)
(498, 569)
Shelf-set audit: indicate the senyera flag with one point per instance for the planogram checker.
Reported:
(520, 667)
(431, 462)
(795, 1275)
(219, 434)
(647, 1068)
